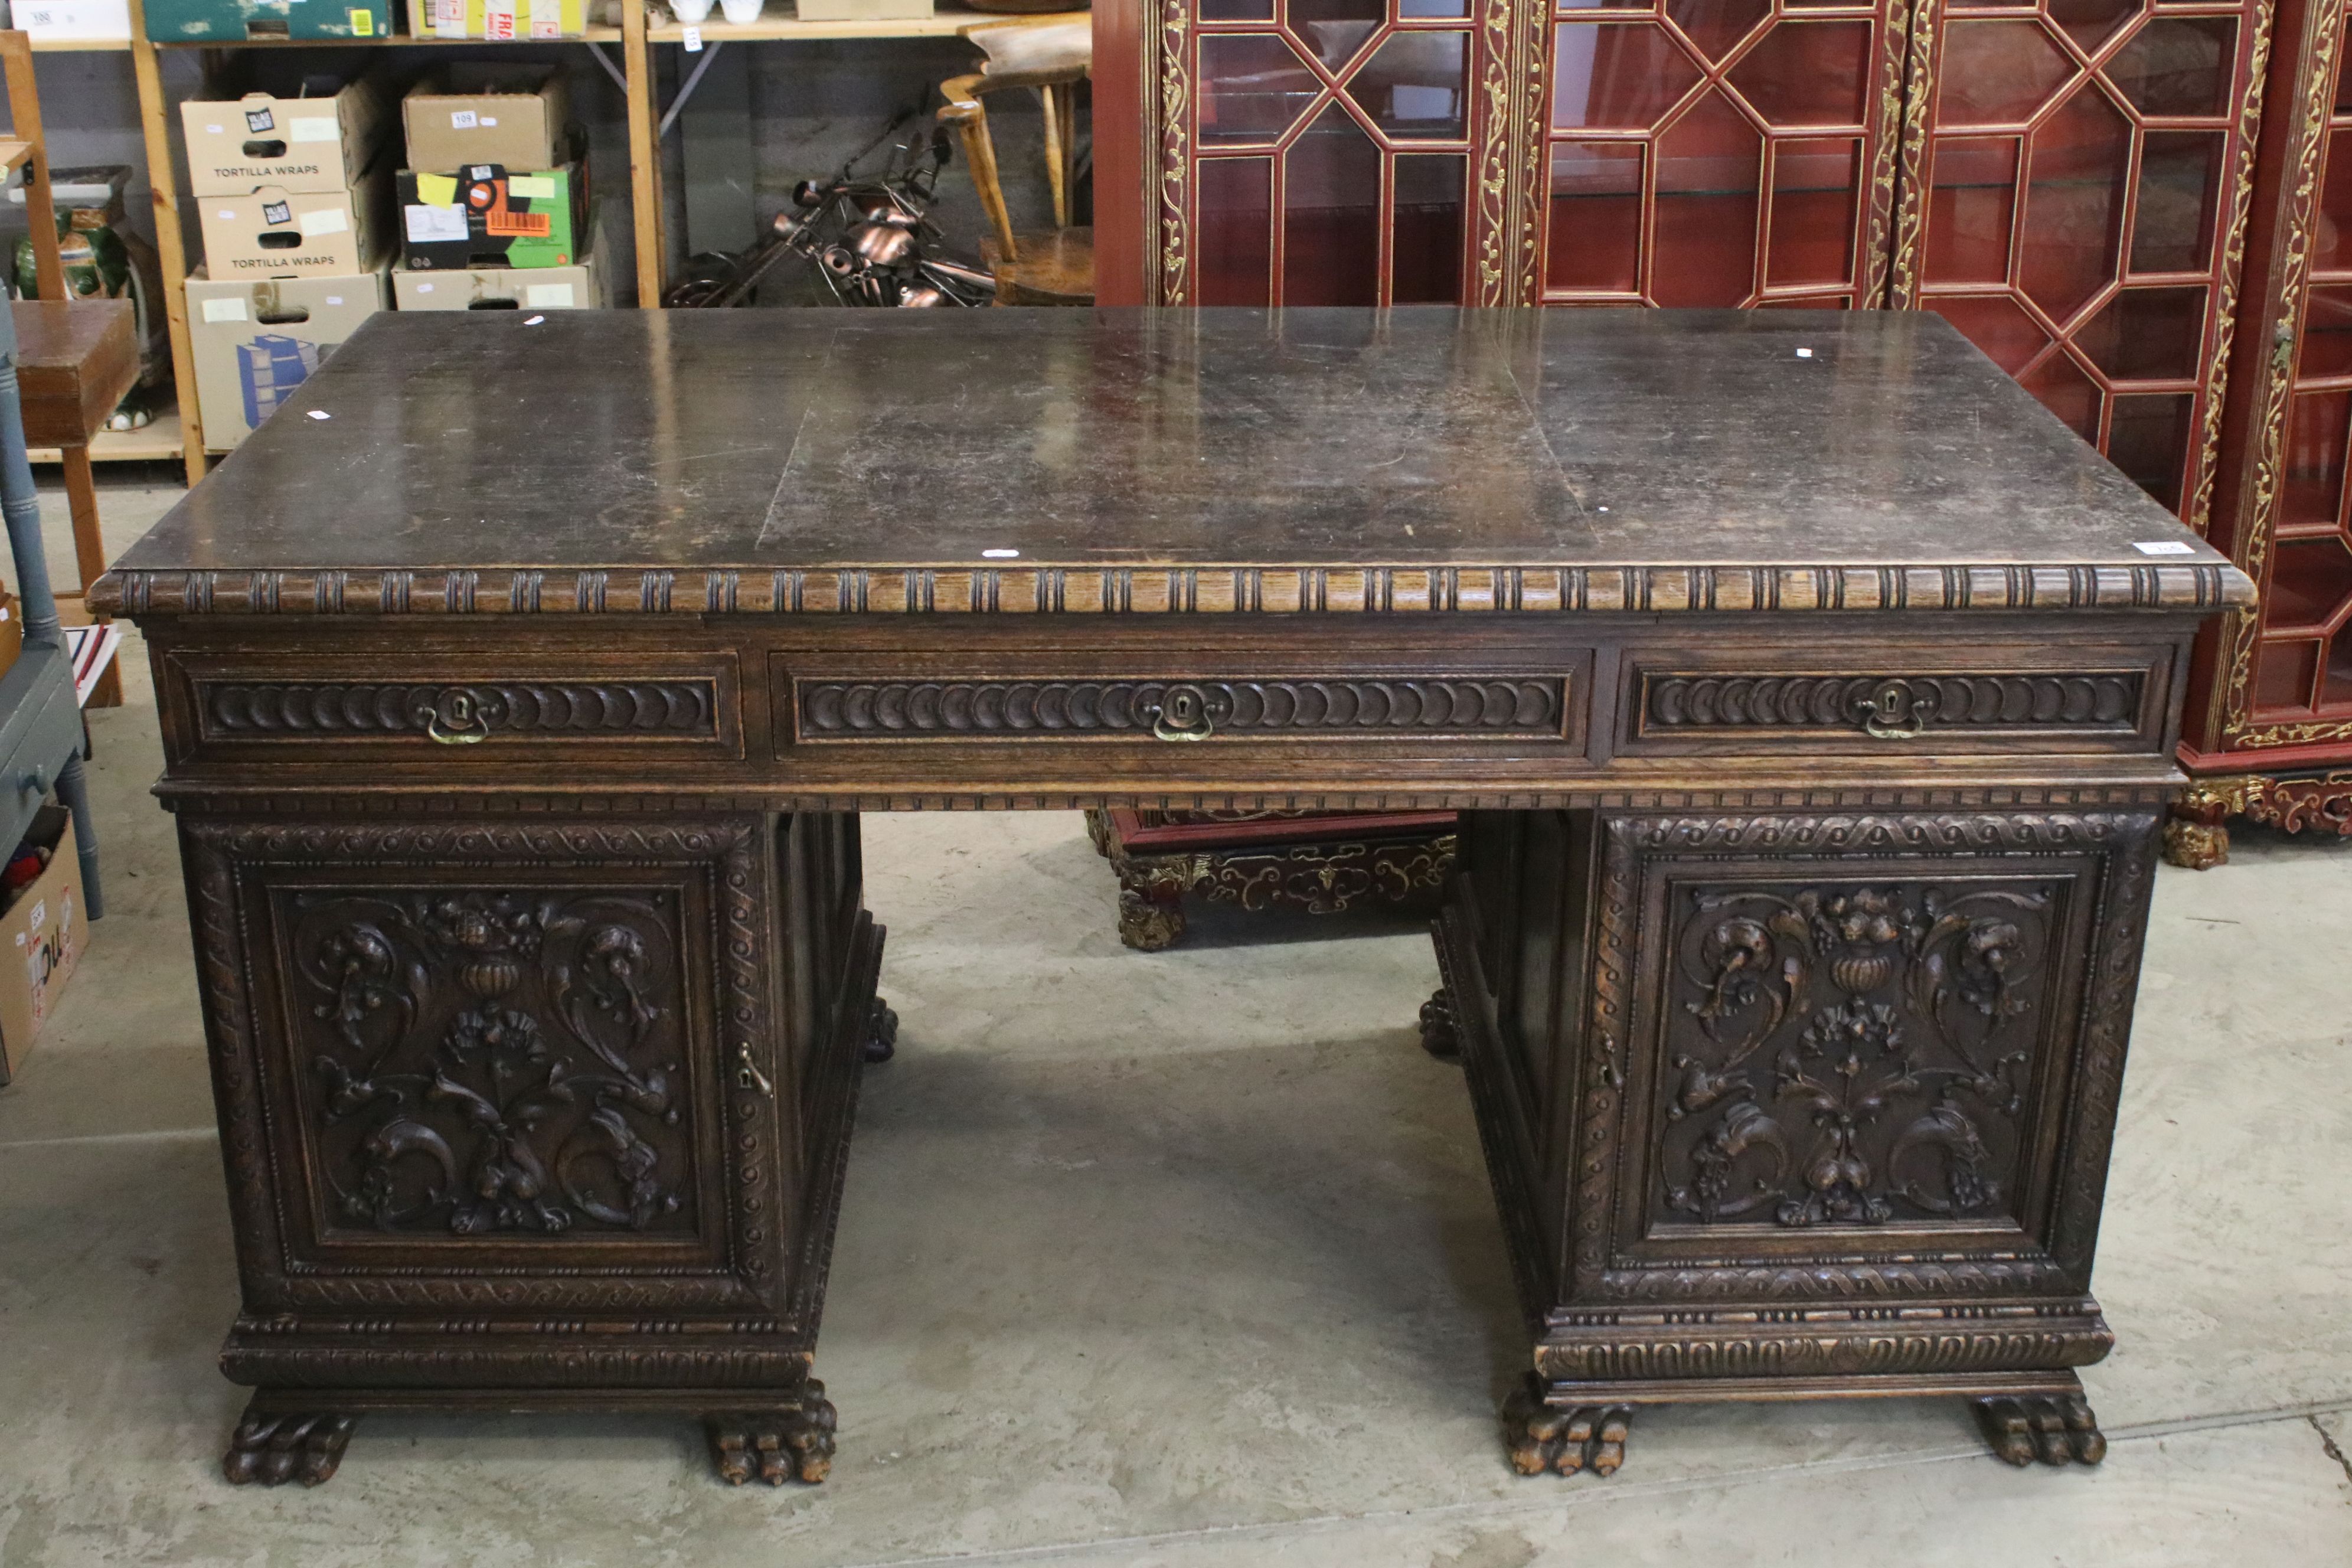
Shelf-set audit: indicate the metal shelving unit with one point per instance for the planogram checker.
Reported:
(181, 434)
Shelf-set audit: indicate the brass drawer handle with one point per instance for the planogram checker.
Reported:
(748, 1075)
(455, 718)
(1895, 713)
(1183, 715)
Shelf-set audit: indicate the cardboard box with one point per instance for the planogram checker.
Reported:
(513, 116)
(498, 18)
(862, 10)
(42, 934)
(485, 217)
(585, 285)
(12, 631)
(296, 142)
(272, 232)
(234, 21)
(73, 21)
(256, 340)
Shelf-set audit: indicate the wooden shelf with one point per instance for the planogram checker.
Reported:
(781, 24)
(593, 36)
(158, 442)
(13, 152)
(81, 46)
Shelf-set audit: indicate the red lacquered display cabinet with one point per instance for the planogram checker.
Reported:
(2268, 732)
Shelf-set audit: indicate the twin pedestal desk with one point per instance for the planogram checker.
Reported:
(1811, 694)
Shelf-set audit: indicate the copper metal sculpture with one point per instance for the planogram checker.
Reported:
(870, 239)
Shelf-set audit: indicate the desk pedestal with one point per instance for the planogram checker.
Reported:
(1787, 1104)
(534, 1110)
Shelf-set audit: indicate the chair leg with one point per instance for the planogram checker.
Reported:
(1065, 102)
(90, 553)
(980, 154)
(1056, 169)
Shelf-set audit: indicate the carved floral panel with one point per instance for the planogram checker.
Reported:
(1850, 1053)
(480, 1060)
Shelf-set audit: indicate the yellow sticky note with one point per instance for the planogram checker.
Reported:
(436, 190)
(537, 187)
(362, 23)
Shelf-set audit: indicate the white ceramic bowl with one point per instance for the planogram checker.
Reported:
(690, 13)
(742, 12)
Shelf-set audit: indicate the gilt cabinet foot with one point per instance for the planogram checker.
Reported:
(1800, 1104)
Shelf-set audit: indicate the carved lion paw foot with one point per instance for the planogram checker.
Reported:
(2055, 1429)
(881, 1032)
(1441, 1036)
(1580, 1437)
(776, 1445)
(272, 1448)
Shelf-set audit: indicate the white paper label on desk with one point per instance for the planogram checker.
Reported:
(463, 120)
(2166, 547)
(692, 39)
(548, 296)
(425, 226)
(225, 311)
(325, 220)
(314, 127)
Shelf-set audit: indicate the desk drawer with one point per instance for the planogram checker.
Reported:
(456, 709)
(1950, 702)
(851, 709)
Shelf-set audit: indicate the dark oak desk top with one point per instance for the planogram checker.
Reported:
(1187, 460)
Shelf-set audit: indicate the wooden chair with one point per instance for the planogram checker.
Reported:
(1051, 54)
(76, 359)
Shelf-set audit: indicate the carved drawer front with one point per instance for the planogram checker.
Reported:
(1505, 706)
(1674, 704)
(460, 711)
(1862, 1037)
(499, 1065)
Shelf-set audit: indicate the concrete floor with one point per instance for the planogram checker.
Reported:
(1187, 1260)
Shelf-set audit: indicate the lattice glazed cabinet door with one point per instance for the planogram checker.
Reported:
(1719, 153)
(1323, 151)
(2074, 201)
(2282, 677)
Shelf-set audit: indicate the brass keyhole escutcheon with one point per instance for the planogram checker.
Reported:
(455, 718)
(1895, 712)
(1183, 715)
(748, 1075)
